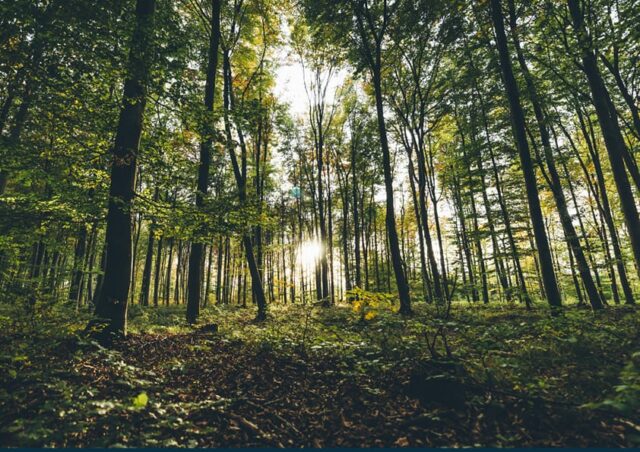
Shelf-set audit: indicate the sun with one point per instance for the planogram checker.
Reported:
(309, 252)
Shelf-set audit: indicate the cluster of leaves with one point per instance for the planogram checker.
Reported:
(626, 399)
(366, 304)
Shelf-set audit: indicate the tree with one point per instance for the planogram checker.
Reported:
(608, 120)
(519, 132)
(554, 178)
(368, 25)
(196, 256)
(111, 306)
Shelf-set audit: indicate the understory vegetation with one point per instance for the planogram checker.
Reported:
(324, 377)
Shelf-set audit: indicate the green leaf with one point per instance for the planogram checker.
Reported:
(141, 400)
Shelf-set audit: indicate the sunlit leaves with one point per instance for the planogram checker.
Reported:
(140, 401)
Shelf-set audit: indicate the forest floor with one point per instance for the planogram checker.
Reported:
(319, 377)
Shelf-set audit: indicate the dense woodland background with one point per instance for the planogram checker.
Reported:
(449, 224)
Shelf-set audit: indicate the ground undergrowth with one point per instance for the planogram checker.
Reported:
(324, 377)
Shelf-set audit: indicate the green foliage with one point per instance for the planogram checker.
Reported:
(90, 389)
(140, 401)
(366, 304)
(626, 399)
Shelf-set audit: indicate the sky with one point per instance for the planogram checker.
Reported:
(290, 87)
(289, 76)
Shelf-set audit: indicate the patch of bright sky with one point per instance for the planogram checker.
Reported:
(289, 76)
(290, 86)
(290, 83)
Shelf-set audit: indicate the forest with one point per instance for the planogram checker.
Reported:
(319, 223)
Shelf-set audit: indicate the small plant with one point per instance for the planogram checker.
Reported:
(626, 401)
(366, 305)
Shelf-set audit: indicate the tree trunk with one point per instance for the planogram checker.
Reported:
(554, 180)
(112, 301)
(518, 126)
(156, 277)
(356, 219)
(194, 285)
(256, 280)
(614, 142)
(78, 270)
(146, 272)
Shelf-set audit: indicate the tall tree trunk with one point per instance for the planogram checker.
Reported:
(345, 235)
(194, 285)
(219, 263)
(430, 177)
(100, 278)
(112, 301)
(91, 261)
(356, 219)
(158, 269)
(227, 260)
(426, 284)
(167, 282)
(78, 262)
(207, 287)
(438, 283)
(176, 288)
(554, 179)
(330, 236)
(607, 117)
(518, 126)
(146, 272)
(322, 222)
(137, 229)
(392, 233)
(254, 271)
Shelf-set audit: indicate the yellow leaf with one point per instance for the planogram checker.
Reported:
(140, 401)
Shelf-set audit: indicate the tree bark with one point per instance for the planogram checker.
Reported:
(195, 277)
(607, 118)
(112, 301)
(518, 125)
(554, 180)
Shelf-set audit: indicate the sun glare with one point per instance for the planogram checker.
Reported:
(309, 252)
